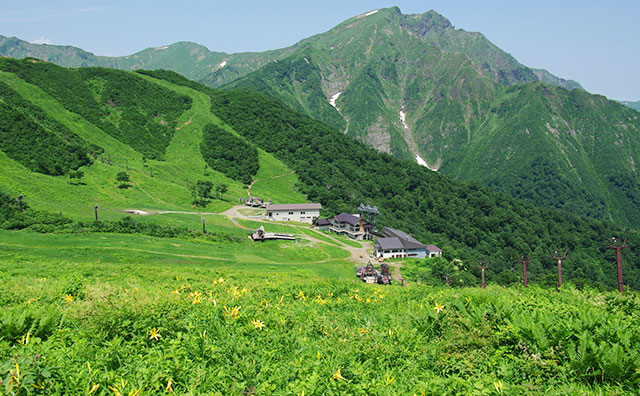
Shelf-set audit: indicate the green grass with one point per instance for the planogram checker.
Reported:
(317, 322)
(319, 236)
(269, 226)
(275, 181)
(286, 256)
(344, 239)
(166, 190)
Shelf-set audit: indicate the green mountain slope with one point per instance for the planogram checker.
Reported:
(102, 122)
(190, 59)
(412, 85)
(548, 78)
(469, 220)
(216, 68)
(631, 105)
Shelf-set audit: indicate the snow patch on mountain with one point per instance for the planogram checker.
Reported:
(333, 99)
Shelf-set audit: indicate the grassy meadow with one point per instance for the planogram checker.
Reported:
(112, 315)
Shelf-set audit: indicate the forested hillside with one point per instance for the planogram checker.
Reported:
(471, 222)
(415, 86)
(132, 110)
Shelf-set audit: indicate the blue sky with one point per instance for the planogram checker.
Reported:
(593, 42)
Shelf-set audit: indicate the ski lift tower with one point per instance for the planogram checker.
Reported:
(369, 210)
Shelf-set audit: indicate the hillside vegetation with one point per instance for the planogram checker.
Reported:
(472, 223)
(471, 111)
(154, 134)
(74, 326)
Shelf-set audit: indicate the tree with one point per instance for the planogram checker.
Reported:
(201, 192)
(123, 179)
(221, 189)
(75, 177)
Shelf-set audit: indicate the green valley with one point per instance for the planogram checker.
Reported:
(164, 292)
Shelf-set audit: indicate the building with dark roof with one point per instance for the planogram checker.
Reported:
(354, 227)
(395, 243)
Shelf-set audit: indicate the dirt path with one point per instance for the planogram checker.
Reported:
(249, 187)
(284, 174)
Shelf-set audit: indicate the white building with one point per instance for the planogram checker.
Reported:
(301, 213)
(396, 243)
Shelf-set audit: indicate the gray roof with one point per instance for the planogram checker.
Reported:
(388, 243)
(408, 242)
(303, 206)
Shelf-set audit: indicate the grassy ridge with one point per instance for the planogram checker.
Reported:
(165, 190)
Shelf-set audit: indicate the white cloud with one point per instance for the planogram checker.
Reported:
(42, 40)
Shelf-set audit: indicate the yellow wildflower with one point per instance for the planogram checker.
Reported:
(301, 296)
(25, 339)
(68, 298)
(233, 313)
(389, 380)
(438, 308)
(499, 386)
(93, 388)
(221, 280)
(169, 388)
(176, 292)
(364, 331)
(15, 376)
(154, 334)
(338, 376)
(258, 324)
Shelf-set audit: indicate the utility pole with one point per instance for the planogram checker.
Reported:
(127, 161)
(616, 245)
(151, 171)
(524, 260)
(95, 209)
(204, 230)
(483, 285)
(20, 198)
(556, 256)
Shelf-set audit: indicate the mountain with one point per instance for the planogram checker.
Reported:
(217, 68)
(631, 105)
(548, 78)
(103, 122)
(415, 87)
(189, 59)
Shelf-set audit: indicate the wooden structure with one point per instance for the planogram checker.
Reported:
(369, 274)
(616, 245)
(261, 235)
(256, 202)
(556, 256)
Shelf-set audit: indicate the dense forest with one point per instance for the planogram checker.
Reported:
(36, 141)
(132, 110)
(229, 154)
